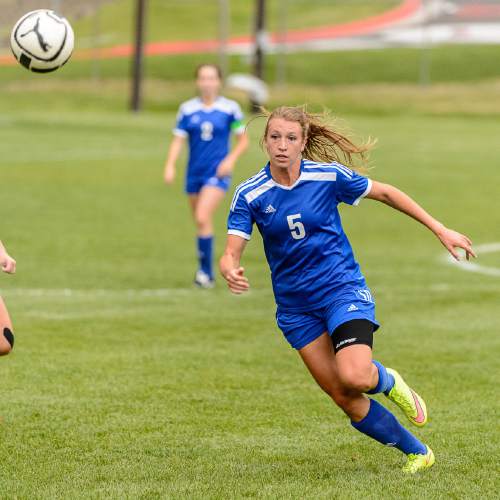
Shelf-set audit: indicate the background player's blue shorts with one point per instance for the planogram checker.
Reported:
(195, 184)
(301, 328)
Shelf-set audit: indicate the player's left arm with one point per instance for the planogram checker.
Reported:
(401, 201)
(226, 166)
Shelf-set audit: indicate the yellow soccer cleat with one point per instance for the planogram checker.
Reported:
(408, 400)
(417, 463)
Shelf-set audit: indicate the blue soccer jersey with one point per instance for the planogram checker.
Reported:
(208, 130)
(305, 245)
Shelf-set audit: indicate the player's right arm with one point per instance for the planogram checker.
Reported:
(6, 261)
(239, 227)
(173, 154)
(229, 264)
(180, 133)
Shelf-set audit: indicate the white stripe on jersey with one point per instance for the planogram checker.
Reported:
(323, 164)
(346, 171)
(249, 182)
(255, 193)
(318, 176)
(250, 179)
(227, 106)
(241, 234)
(336, 166)
(179, 132)
(189, 107)
(223, 104)
(367, 191)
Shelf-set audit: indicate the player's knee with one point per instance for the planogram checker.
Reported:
(358, 379)
(7, 342)
(202, 220)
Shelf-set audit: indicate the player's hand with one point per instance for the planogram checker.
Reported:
(236, 281)
(169, 175)
(8, 263)
(453, 240)
(225, 168)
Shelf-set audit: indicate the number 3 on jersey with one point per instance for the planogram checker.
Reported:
(296, 228)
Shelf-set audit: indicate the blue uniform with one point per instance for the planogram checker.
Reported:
(208, 130)
(316, 280)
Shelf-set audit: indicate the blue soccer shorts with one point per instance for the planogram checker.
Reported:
(195, 184)
(301, 328)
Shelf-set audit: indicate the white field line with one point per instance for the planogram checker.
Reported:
(138, 293)
(93, 313)
(474, 267)
(84, 293)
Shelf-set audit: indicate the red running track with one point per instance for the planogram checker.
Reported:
(355, 28)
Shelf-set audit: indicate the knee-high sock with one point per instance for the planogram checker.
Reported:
(381, 425)
(205, 245)
(385, 380)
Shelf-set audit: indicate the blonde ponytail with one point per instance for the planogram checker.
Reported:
(323, 142)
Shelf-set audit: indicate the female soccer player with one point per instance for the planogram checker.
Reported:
(8, 265)
(324, 306)
(207, 121)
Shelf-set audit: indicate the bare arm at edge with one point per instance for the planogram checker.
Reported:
(398, 200)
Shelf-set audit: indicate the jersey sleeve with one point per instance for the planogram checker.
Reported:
(351, 187)
(237, 125)
(180, 128)
(240, 220)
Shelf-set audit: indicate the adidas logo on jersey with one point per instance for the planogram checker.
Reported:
(269, 209)
(352, 307)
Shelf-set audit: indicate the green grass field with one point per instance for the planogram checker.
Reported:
(392, 77)
(126, 382)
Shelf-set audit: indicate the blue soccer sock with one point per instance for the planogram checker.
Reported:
(381, 425)
(385, 380)
(205, 245)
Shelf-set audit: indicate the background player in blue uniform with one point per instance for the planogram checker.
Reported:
(8, 265)
(207, 121)
(324, 306)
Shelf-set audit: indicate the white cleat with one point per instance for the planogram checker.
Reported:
(202, 280)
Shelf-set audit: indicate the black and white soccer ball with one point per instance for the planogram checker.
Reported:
(42, 41)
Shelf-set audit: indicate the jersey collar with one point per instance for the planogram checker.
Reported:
(203, 107)
(276, 184)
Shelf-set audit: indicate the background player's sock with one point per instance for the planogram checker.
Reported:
(385, 380)
(381, 425)
(205, 245)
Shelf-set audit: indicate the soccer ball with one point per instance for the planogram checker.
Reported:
(42, 41)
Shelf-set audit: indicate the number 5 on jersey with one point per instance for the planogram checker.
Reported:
(296, 228)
